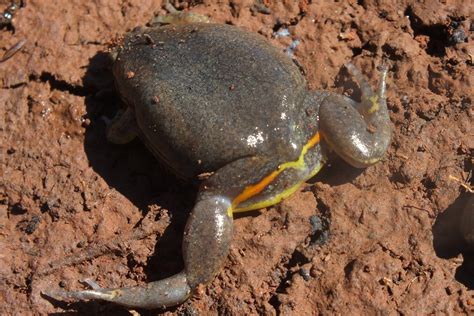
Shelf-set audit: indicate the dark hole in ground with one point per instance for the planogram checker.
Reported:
(437, 34)
(297, 259)
(449, 241)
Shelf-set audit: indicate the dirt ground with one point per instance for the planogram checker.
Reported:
(376, 241)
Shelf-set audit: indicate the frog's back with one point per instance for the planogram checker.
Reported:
(206, 95)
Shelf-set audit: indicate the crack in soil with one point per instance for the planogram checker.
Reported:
(60, 85)
(297, 259)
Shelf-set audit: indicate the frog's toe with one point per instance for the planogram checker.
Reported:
(364, 85)
(373, 104)
(96, 292)
(92, 284)
(78, 295)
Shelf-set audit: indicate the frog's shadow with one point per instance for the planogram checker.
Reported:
(132, 170)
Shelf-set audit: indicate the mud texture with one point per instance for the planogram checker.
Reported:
(378, 241)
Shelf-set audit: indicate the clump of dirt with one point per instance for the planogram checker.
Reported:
(369, 241)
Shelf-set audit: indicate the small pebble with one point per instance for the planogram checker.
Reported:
(458, 36)
(305, 273)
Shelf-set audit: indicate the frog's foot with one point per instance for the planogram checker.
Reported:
(178, 17)
(163, 293)
(358, 132)
(371, 103)
(122, 128)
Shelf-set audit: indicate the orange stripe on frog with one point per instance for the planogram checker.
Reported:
(255, 189)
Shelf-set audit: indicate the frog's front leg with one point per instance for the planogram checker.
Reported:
(358, 132)
(123, 128)
(206, 242)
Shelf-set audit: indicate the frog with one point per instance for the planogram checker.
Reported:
(215, 99)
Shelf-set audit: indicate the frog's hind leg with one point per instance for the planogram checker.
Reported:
(123, 128)
(359, 132)
(206, 242)
(158, 294)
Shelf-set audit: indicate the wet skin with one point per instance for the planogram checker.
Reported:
(214, 98)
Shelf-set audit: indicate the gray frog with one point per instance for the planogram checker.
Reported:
(217, 99)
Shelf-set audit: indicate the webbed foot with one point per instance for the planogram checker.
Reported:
(160, 294)
(358, 132)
